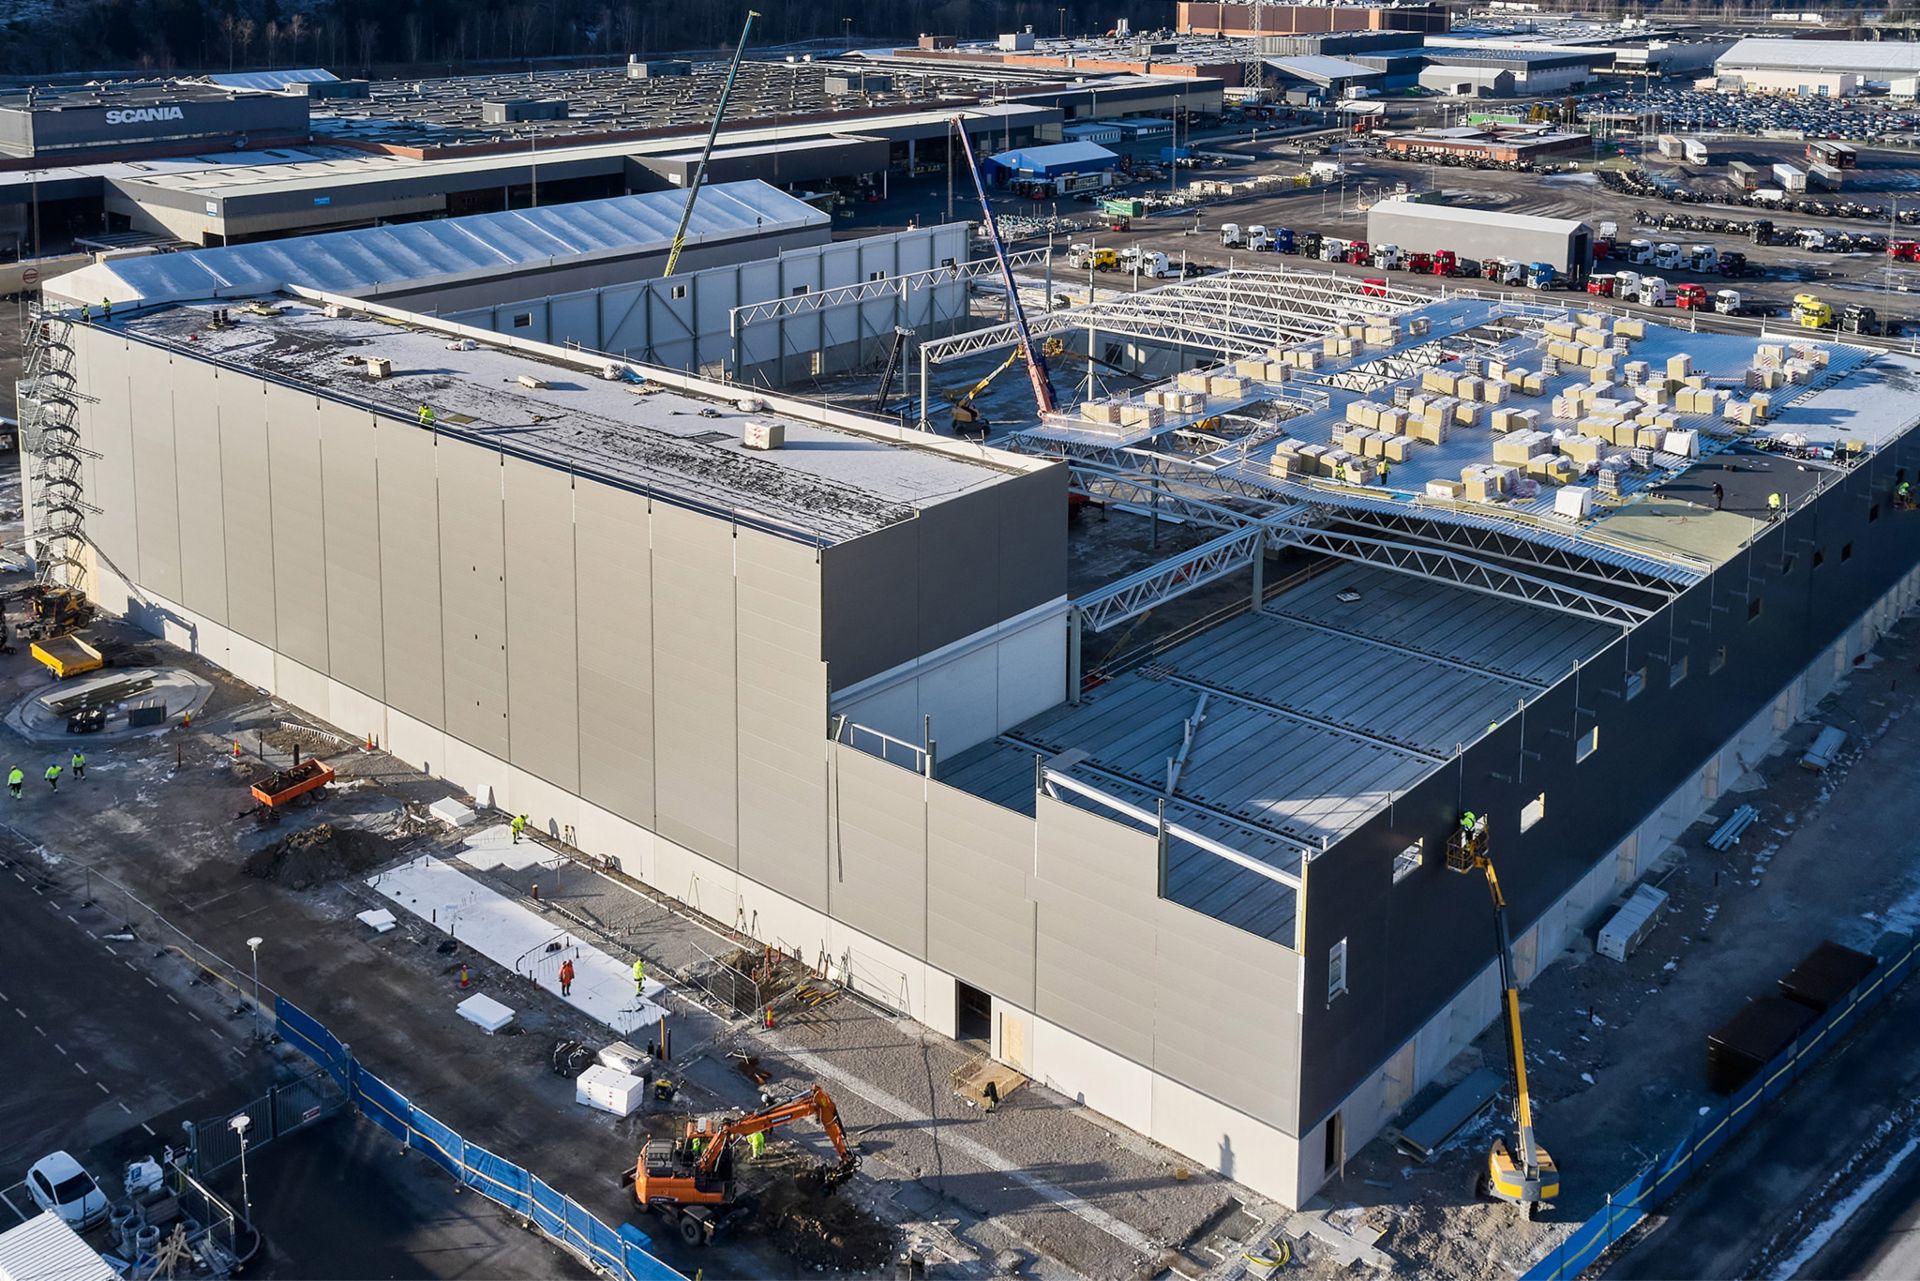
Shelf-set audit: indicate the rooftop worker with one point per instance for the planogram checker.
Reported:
(53, 776)
(106, 309)
(1380, 470)
(1719, 495)
(1903, 496)
(86, 312)
(1775, 504)
(639, 977)
(426, 415)
(566, 978)
(15, 778)
(79, 764)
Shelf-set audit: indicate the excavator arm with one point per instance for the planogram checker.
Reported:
(816, 1103)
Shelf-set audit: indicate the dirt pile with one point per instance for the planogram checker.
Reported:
(814, 1229)
(318, 855)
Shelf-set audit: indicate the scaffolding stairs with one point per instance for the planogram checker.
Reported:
(51, 396)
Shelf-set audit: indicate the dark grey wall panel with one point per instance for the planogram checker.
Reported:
(878, 875)
(695, 762)
(782, 693)
(958, 580)
(872, 609)
(543, 685)
(350, 482)
(203, 537)
(473, 595)
(410, 585)
(299, 526)
(1095, 884)
(1208, 976)
(1032, 528)
(979, 919)
(247, 500)
(155, 482)
(614, 596)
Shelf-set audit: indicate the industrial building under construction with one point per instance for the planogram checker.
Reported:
(828, 679)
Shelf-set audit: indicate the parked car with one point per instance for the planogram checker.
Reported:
(60, 1185)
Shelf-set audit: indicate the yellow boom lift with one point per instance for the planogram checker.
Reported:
(1519, 1171)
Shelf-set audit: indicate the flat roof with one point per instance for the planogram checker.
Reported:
(117, 93)
(412, 254)
(1477, 217)
(45, 1248)
(831, 483)
(1862, 56)
(1295, 746)
(1323, 67)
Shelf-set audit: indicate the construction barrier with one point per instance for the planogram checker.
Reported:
(1641, 1195)
(621, 1252)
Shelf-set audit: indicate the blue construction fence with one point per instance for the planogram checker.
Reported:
(622, 1253)
(1641, 1195)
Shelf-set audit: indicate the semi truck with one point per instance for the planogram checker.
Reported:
(1696, 151)
(1824, 178)
(1743, 176)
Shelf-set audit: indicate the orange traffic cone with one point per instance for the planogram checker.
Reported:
(370, 743)
(236, 749)
(466, 980)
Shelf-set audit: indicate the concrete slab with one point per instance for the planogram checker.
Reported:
(483, 1010)
(494, 848)
(522, 940)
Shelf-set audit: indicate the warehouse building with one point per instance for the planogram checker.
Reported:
(1328, 77)
(1506, 73)
(127, 118)
(821, 675)
(1204, 17)
(1563, 243)
(1070, 166)
(1491, 143)
(1819, 68)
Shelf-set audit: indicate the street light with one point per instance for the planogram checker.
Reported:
(253, 945)
(239, 1126)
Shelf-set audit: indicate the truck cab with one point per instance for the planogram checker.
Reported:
(1640, 251)
(1373, 287)
(1728, 302)
(1513, 273)
(1419, 264)
(1626, 284)
(1333, 249)
(1445, 262)
(1733, 263)
(1308, 244)
(1258, 239)
(1493, 268)
(1667, 257)
(1691, 297)
(1856, 319)
(1080, 255)
(1388, 257)
(1904, 250)
(1810, 312)
(1654, 291)
(1104, 260)
(1541, 275)
(1230, 237)
(1283, 240)
(1813, 238)
(1703, 258)
(1359, 253)
(1760, 231)
(1600, 284)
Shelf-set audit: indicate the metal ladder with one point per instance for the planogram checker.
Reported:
(50, 395)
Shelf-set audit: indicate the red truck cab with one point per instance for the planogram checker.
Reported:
(1904, 250)
(1359, 253)
(1374, 287)
(1692, 298)
(1445, 262)
(1420, 264)
(1600, 284)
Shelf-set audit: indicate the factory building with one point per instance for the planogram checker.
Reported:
(121, 119)
(822, 676)
(1563, 243)
(1204, 17)
(1326, 77)
(1505, 73)
(1492, 144)
(1819, 68)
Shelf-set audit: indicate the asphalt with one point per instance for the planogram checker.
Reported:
(1882, 1241)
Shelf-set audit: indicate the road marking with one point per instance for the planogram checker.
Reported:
(123, 1107)
(146, 1127)
(1124, 1233)
(83, 1069)
(62, 1049)
(93, 936)
(3, 997)
(105, 1090)
(170, 996)
(22, 1013)
(42, 1031)
(130, 965)
(19, 878)
(69, 916)
(150, 982)
(195, 1017)
(110, 951)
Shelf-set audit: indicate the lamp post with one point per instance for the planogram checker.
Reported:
(239, 1126)
(253, 946)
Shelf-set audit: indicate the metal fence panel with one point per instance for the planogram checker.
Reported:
(498, 1178)
(441, 1145)
(215, 1145)
(382, 1104)
(298, 1104)
(307, 1035)
(1713, 1131)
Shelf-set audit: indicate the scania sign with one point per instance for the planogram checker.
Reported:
(144, 115)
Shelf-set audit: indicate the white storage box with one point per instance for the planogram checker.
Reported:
(488, 1013)
(451, 812)
(609, 1089)
(1575, 504)
(1631, 924)
(622, 1057)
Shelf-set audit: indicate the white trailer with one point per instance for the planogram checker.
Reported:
(1696, 152)
(1671, 148)
(1789, 177)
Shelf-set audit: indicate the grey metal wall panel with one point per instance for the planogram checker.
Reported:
(203, 534)
(878, 872)
(247, 499)
(871, 601)
(1208, 974)
(106, 425)
(695, 763)
(473, 597)
(409, 516)
(1095, 886)
(782, 692)
(979, 918)
(349, 480)
(299, 526)
(1032, 525)
(959, 586)
(543, 677)
(156, 491)
(615, 610)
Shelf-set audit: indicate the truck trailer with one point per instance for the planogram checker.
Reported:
(1790, 177)
(1696, 151)
(1743, 176)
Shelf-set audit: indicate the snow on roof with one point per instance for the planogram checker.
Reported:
(44, 1247)
(1321, 67)
(272, 81)
(1862, 56)
(410, 254)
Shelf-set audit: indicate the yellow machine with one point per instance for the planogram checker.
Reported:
(1811, 312)
(964, 414)
(1519, 1171)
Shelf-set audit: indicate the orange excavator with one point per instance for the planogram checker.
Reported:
(689, 1181)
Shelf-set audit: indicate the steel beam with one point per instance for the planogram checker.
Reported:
(871, 290)
(1138, 593)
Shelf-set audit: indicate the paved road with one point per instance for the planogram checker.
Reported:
(95, 1041)
(1727, 1220)
(1881, 1241)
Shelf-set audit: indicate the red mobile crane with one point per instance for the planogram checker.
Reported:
(1036, 363)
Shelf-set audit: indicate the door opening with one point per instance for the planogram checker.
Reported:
(973, 1014)
(1336, 1153)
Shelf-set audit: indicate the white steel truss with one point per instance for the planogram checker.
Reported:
(738, 318)
(1572, 560)
(1137, 593)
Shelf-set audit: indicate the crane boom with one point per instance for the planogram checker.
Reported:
(1036, 363)
(713, 132)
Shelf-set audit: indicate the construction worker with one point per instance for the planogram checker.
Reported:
(16, 779)
(1469, 821)
(1903, 496)
(106, 309)
(53, 776)
(518, 825)
(426, 416)
(1380, 470)
(756, 1144)
(86, 313)
(1775, 504)
(566, 978)
(1719, 495)
(639, 977)
(79, 764)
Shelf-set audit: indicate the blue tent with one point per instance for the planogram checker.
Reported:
(1052, 162)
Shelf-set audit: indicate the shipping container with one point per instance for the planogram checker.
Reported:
(1751, 1039)
(1743, 176)
(1670, 146)
(1825, 977)
(1789, 178)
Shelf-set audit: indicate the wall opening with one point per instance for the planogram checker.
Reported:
(1336, 971)
(1588, 744)
(972, 1013)
(1536, 809)
(1336, 1150)
(1409, 859)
